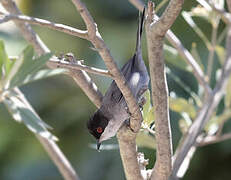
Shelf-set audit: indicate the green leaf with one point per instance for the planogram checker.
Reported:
(147, 105)
(44, 73)
(184, 123)
(148, 110)
(5, 63)
(172, 57)
(181, 105)
(228, 94)
(23, 112)
(144, 139)
(25, 67)
(220, 51)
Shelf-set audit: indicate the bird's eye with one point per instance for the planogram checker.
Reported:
(99, 130)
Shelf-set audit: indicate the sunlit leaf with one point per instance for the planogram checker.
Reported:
(220, 53)
(181, 105)
(147, 105)
(5, 63)
(185, 122)
(22, 112)
(148, 110)
(201, 12)
(144, 139)
(44, 73)
(25, 67)
(228, 94)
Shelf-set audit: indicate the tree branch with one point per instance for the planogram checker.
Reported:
(77, 65)
(155, 36)
(41, 22)
(214, 139)
(168, 17)
(228, 2)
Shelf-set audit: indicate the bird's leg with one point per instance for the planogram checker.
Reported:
(142, 102)
(127, 123)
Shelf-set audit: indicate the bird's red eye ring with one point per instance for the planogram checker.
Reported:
(99, 129)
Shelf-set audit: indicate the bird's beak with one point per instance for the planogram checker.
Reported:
(98, 145)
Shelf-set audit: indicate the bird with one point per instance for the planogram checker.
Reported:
(113, 111)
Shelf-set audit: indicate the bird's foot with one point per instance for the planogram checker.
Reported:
(127, 123)
(141, 103)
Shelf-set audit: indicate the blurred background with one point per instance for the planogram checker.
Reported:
(62, 104)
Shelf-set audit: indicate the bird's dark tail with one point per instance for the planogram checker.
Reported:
(139, 32)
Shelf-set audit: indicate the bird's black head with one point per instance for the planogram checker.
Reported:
(97, 124)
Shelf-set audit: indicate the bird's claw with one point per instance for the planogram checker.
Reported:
(141, 103)
(127, 123)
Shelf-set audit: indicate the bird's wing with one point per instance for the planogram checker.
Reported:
(113, 92)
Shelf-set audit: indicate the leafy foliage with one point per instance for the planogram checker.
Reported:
(21, 71)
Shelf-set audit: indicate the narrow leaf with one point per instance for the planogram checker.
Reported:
(181, 105)
(44, 73)
(228, 94)
(29, 66)
(148, 110)
(220, 51)
(5, 63)
(24, 113)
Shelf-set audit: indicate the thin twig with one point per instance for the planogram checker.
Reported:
(226, 115)
(45, 23)
(57, 63)
(212, 49)
(214, 139)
